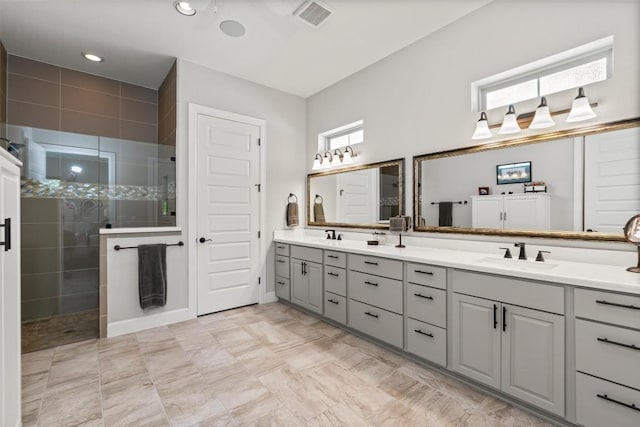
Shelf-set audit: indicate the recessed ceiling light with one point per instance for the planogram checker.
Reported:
(185, 8)
(232, 28)
(92, 57)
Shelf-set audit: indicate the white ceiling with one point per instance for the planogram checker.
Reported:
(140, 38)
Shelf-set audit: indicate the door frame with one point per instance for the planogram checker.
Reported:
(192, 149)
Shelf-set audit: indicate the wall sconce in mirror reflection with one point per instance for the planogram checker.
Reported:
(542, 118)
(632, 234)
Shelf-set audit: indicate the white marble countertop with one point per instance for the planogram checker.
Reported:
(588, 275)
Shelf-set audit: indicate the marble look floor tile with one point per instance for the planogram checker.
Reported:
(116, 367)
(132, 401)
(238, 390)
(306, 356)
(71, 405)
(188, 400)
(390, 414)
(276, 338)
(282, 417)
(249, 413)
(37, 362)
(168, 363)
(397, 384)
(339, 416)
(259, 360)
(76, 350)
(373, 370)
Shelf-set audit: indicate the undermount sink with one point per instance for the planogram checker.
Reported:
(518, 264)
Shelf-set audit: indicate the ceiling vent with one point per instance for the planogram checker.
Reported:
(313, 13)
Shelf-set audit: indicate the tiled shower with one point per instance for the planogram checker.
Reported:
(96, 153)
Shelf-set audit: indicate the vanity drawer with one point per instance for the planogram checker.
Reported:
(282, 266)
(427, 341)
(378, 323)
(378, 266)
(427, 275)
(335, 280)
(335, 259)
(378, 291)
(307, 254)
(335, 307)
(283, 288)
(614, 359)
(608, 307)
(601, 403)
(282, 249)
(427, 304)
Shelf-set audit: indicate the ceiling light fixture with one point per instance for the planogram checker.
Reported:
(482, 128)
(542, 119)
(510, 123)
(185, 8)
(92, 57)
(232, 28)
(580, 109)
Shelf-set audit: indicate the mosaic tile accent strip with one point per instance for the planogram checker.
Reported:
(72, 190)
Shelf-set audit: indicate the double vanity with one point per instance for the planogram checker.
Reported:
(560, 337)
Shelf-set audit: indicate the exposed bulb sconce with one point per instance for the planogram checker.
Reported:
(542, 118)
(580, 109)
(317, 162)
(482, 128)
(510, 122)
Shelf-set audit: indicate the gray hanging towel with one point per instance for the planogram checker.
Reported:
(445, 214)
(318, 212)
(292, 214)
(152, 275)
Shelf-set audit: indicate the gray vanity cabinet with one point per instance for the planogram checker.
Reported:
(515, 349)
(282, 286)
(335, 286)
(306, 278)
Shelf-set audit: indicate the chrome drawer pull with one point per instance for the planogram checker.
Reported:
(607, 341)
(626, 405)
(366, 282)
(281, 283)
(424, 272)
(423, 296)
(632, 307)
(333, 256)
(371, 263)
(423, 333)
(333, 274)
(280, 260)
(332, 301)
(371, 314)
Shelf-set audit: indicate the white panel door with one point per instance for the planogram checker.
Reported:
(533, 357)
(9, 293)
(227, 213)
(476, 339)
(356, 197)
(611, 179)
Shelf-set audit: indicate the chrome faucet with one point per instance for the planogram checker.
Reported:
(331, 235)
(523, 254)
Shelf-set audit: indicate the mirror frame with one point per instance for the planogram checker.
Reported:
(401, 198)
(575, 235)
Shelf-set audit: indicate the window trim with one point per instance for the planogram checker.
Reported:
(324, 138)
(602, 48)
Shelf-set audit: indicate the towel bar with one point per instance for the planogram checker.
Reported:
(455, 203)
(118, 247)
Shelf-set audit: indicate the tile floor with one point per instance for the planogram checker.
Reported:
(59, 330)
(265, 365)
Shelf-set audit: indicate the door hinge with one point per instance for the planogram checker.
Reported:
(259, 142)
(258, 234)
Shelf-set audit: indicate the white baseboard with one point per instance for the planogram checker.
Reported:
(128, 326)
(270, 297)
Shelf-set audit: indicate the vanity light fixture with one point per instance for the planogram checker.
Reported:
(185, 8)
(328, 160)
(346, 157)
(482, 128)
(510, 122)
(580, 109)
(317, 162)
(92, 57)
(542, 118)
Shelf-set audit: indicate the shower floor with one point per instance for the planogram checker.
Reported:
(59, 330)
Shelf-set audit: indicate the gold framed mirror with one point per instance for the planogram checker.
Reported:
(587, 185)
(361, 196)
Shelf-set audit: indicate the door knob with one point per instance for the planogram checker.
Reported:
(202, 240)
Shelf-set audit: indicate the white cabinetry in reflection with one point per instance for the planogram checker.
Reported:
(512, 211)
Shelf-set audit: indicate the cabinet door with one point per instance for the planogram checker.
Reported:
(315, 291)
(476, 339)
(299, 283)
(527, 212)
(533, 357)
(486, 212)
